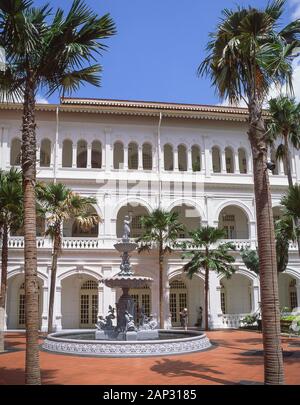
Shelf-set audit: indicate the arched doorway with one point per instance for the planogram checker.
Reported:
(142, 299)
(178, 300)
(136, 212)
(15, 307)
(236, 294)
(235, 222)
(88, 304)
(189, 217)
(287, 292)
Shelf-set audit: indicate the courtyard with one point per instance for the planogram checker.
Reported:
(236, 358)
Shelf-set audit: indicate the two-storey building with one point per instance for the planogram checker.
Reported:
(134, 157)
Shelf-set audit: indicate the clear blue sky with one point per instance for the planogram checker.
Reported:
(157, 49)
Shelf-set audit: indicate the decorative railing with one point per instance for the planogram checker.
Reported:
(231, 321)
(17, 242)
(81, 243)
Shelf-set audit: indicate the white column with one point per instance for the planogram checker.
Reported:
(214, 304)
(175, 152)
(281, 167)
(249, 163)
(208, 162)
(108, 298)
(255, 296)
(203, 163)
(45, 310)
(223, 161)
(89, 156)
(58, 155)
(57, 321)
(100, 300)
(298, 292)
(74, 154)
(125, 157)
(107, 154)
(167, 320)
(189, 160)
(236, 161)
(140, 157)
(38, 155)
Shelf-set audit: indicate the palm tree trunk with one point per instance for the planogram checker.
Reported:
(32, 365)
(273, 361)
(56, 247)
(161, 289)
(287, 157)
(206, 290)
(3, 291)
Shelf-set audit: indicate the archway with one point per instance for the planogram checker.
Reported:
(80, 301)
(189, 217)
(67, 153)
(73, 229)
(182, 158)
(15, 306)
(136, 212)
(229, 160)
(15, 152)
(81, 154)
(45, 153)
(118, 155)
(242, 160)
(196, 158)
(235, 222)
(216, 159)
(287, 292)
(96, 155)
(236, 294)
(147, 156)
(168, 157)
(133, 159)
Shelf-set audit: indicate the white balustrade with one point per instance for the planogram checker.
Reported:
(231, 321)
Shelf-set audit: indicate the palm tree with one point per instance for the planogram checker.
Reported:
(246, 55)
(285, 122)
(284, 233)
(52, 55)
(57, 204)
(204, 253)
(161, 229)
(10, 218)
(291, 204)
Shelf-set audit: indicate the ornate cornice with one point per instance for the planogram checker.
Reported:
(140, 108)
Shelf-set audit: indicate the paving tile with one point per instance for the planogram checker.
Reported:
(237, 359)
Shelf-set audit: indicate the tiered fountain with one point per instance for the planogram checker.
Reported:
(126, 339)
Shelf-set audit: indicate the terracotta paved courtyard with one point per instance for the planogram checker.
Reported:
(236, 358)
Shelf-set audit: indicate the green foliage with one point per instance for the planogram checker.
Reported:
(248, 53)
(205, 251)
(250, 320)
(284, 233)
(291, 202)
(57, 203)
(11, 196)
(251, 259)
(53, 49)
(160, 228)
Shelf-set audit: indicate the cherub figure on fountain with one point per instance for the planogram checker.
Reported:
(126, 227)
(130, 326)
(104, 324)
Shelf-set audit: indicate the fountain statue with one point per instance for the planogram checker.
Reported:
(126, 309)
(126, 339)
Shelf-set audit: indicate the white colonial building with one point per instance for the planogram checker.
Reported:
(134, 157)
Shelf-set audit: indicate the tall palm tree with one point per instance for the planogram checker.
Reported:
(291, 203)
(161, 229)
(246, 55)
(284, 122)
(11, 216)
(205, 253)
(52, 54)
(284, 233)
(57, 204)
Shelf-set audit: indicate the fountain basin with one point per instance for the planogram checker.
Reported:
(82, 342)
(125, 246)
